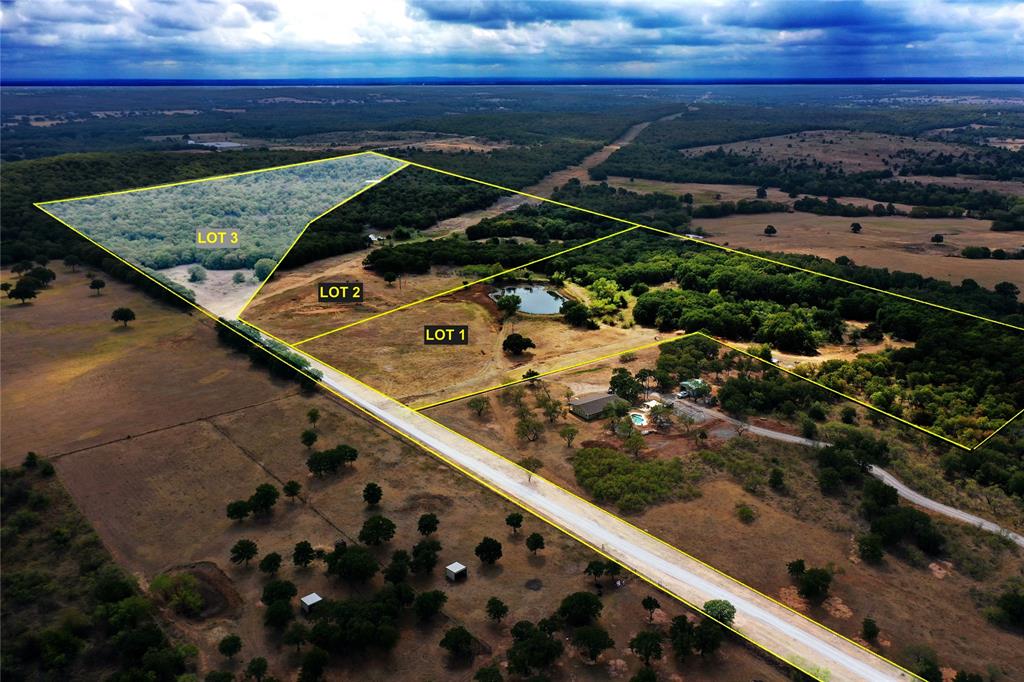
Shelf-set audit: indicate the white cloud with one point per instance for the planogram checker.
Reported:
(656, 38)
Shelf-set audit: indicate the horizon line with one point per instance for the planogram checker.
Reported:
(512, 80)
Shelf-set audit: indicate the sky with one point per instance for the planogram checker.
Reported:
(74, 39)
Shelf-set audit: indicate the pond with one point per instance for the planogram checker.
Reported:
(536, 299)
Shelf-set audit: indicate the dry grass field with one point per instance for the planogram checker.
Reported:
(81, 379)
(893, 242)
(185, 426)
(389, 353)
(931, 604)
(710, 193)
(854, 152)
(288, 308)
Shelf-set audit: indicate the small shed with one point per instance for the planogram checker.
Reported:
(310, 601)
(455, 571)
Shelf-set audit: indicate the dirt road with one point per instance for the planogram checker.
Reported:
(881, 474)
(789, 635)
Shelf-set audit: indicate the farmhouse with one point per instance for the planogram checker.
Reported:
(591, 406)
(693, 387)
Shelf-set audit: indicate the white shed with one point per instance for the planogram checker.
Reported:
(310, 601)
(455, 571)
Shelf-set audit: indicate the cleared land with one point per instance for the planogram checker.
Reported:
(155, 489)
(389, 353)
(710, 193)
(852, 151)
(893, 242)
(927, 604)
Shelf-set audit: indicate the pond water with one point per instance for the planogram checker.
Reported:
(536, 299)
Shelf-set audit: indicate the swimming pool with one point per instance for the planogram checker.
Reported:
(638, 418)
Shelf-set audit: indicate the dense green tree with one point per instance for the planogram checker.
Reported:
(514, 521)
(229, 646)
(257, 669)
(682, 635)
(23, 291)
(429, 604)
(458, 642)
(708, 637)
(568, 433)
(496, 609)
(650, 605)
(580, 608)
(478, 405)
(427, 524)
(377, 530)
(721, 610)
(263, 500)
(813, 583)
(309, 437)
(517, 344)
(270, 563)
(303, 554)
(488, 550)
(647, 645)
(372, 494)
(533, 648)
(238, 510)
(869, 629)
(296, 635)
(491, 673)
(263, 268)
(123, 315)
(292, 489)
(398, 569)
(355, 564)
(534, 542)
(869, 547)
(508, 304)
(592, 640)
(424, 556)
(243, 551)
(314, 663)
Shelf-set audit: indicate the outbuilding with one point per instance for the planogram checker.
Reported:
(310, 601)
(455, 571)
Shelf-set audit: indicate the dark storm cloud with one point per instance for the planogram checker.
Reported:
(495, 38)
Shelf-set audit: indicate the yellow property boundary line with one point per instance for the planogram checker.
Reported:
(177, 183)
(631, 226)
(662, 342)
(458, 288)
(814, 673)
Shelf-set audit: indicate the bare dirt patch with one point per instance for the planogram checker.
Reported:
(218, 293)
